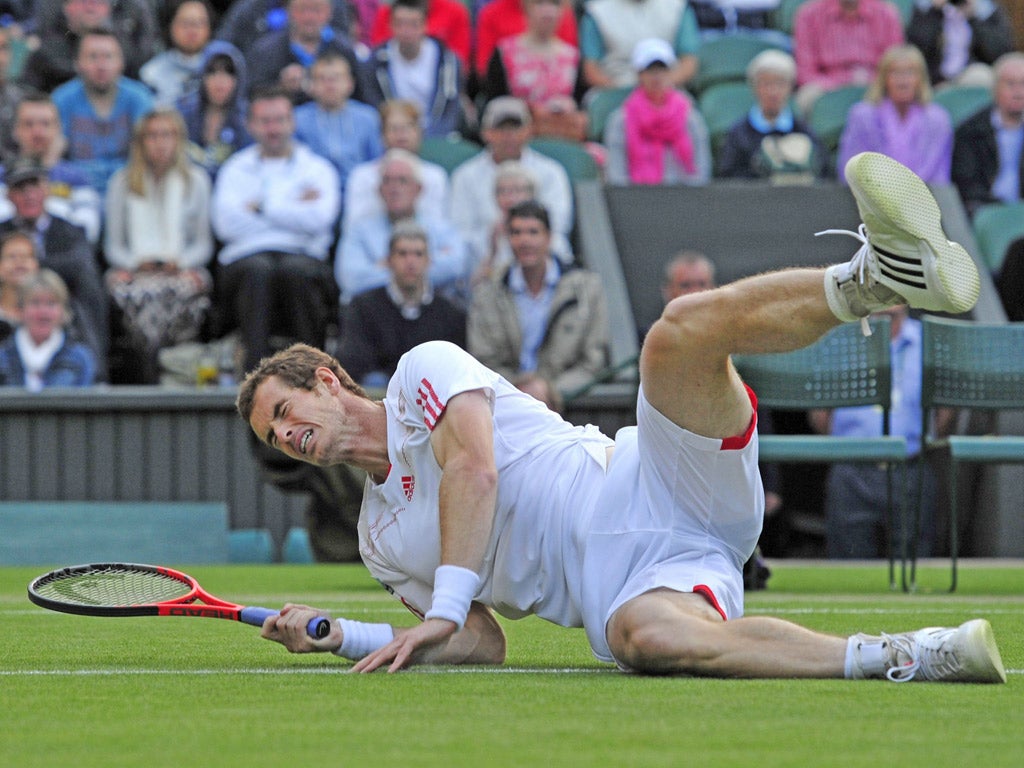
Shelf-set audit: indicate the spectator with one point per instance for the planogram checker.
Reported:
(856, 496)
(988, 164)
(17, 262)
(611, 29)
(717, 18)
(343, 131)
(10, 95)
(960, 39)
(62, 247)
(898, 118)
(490, 251)
(284, 57)
(361, 262)
(542, 326)
(99, 107)
(158, 242)
(215, 112)
(400, 129)
(447, 21)
(657, 136)
(839, 42)
(382, 324)
(771, 141)
(61, 25)
(542, 70)
(419, 68)
(506, 128)
(176, 71)
(364, 12)
(38, 134)
(248, 20)
(39, 353)
(1009, 282)
(501, 19)
(274, 207)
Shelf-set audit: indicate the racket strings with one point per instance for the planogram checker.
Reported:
(113, 586)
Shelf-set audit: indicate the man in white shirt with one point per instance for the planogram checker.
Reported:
(505, 128)
(478, 498)
(274, 207)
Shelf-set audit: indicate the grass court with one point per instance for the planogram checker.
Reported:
(84, 691)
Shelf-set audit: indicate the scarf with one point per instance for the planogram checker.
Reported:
(37, 359)
(650, 129)
(156, 220)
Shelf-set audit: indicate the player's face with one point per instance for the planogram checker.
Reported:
(301, 423)
(100, 62)
(530, 242)
(190, 30)
(36, 128)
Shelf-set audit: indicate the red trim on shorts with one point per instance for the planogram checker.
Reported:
(738, 442)
(705, 591)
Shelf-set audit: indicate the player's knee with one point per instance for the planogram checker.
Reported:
(659, 647)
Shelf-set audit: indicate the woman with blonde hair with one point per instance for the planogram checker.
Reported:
(158, 242)
(898, 118)
(39, 353)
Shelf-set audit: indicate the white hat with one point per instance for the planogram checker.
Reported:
(652, 50)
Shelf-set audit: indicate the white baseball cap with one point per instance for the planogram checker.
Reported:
(652, 50)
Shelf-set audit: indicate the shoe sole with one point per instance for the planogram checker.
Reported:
(891, 196)
(987, 664)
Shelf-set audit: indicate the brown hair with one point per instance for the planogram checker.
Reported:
(136, 167)
(294, 367)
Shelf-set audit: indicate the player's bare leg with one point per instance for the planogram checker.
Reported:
(687, 376)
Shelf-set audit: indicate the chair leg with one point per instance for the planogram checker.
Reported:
(953, 534)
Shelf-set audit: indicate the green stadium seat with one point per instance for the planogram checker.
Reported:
(828, 116)
(784, 13)
(996, 226)
(578, 163)
(722, 106)
(448, 152)
(600, 106)
(297, 548)
(978, 366)
(963, 101)
(724, 59)
(251, 545)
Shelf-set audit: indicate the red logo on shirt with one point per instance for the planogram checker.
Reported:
(408, 486)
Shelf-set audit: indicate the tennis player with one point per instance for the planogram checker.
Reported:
(479, 499)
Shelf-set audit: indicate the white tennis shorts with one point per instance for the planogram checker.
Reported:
(677, 511)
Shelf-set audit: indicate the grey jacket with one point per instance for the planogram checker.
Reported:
(575, 345)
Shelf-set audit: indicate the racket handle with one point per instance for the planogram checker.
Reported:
(317, 628)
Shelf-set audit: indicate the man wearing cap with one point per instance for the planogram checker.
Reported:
(505, 128)
(610, 30)
(412, 65)
(62, 247)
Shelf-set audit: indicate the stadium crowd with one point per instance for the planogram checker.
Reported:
(363, 175)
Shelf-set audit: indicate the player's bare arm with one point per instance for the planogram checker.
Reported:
(464, 448)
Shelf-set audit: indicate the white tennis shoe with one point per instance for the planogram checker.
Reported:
(905, 257)
(965, 654)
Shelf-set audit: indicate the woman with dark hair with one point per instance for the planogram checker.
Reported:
(214, 113)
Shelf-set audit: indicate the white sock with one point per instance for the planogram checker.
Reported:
(866, 657)
(836, 301)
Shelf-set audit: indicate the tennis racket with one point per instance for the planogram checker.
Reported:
(130, 589)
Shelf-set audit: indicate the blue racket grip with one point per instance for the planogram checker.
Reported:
(317, 628)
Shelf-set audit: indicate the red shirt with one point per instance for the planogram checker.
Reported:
(447, 20)
(503, 18)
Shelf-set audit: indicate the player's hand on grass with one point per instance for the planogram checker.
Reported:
(289, 628)
(399, 651)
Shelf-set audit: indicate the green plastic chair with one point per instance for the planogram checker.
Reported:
(722, 106)
(600, 106)
(578, 163)
(963, 101)
(978, 366)
(785, 12)
(996, 226)
(843, 368)
(724, 59)
(448, 152)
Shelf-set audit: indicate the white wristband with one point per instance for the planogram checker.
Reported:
(360, 639)
(454, 589)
